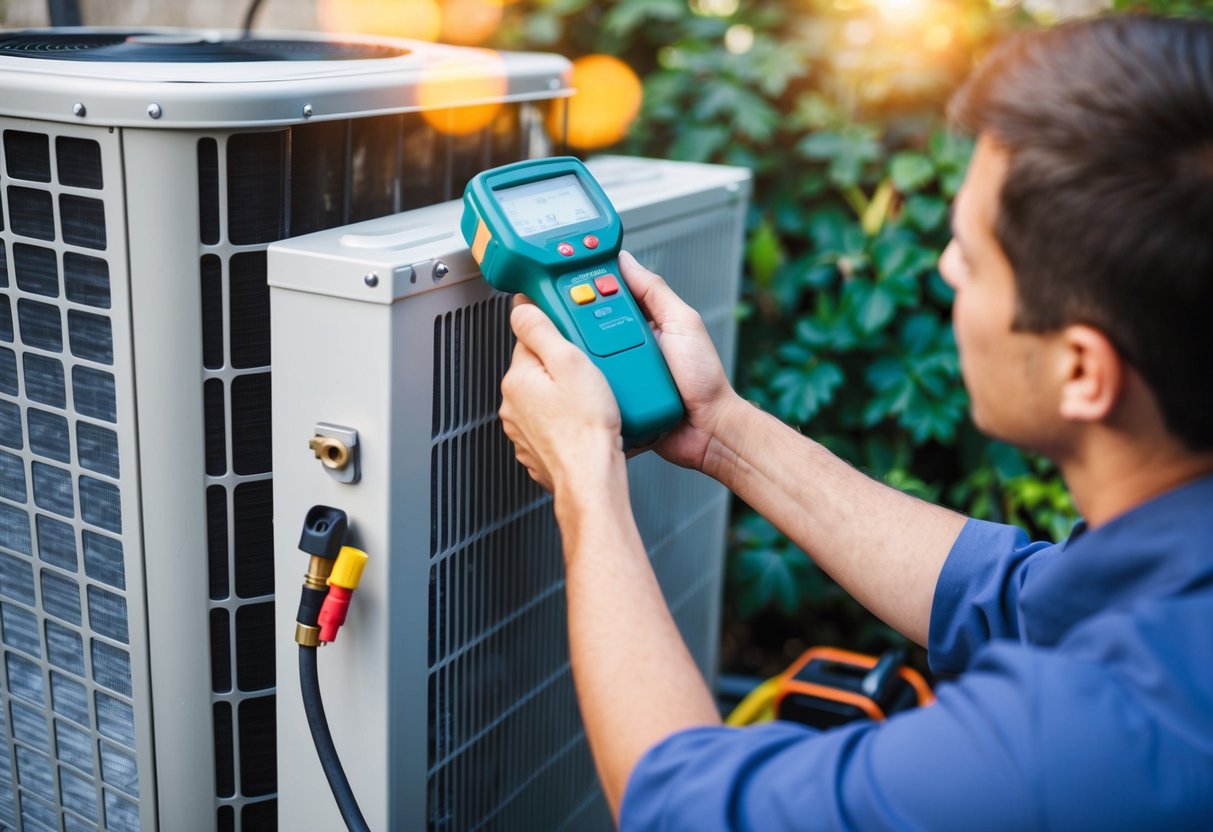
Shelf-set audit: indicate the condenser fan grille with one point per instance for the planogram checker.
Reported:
(149, 47)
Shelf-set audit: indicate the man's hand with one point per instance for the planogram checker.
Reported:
(692, 358)
(557, 407)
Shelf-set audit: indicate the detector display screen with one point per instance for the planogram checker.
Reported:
(551, 203)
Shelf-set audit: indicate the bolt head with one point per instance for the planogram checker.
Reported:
(79, 109)
(371, 279)
(308, 112)
(154, 110)
(441, 270)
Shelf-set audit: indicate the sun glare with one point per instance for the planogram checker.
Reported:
(608, 98)
(416, 19)
(900, 11)
(459, 96)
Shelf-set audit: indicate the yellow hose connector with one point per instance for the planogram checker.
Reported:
(347, 571)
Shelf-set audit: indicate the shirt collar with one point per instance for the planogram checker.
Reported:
(1161, 548)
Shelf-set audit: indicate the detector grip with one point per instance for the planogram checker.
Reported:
(649, 404)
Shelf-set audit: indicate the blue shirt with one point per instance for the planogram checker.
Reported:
(1085, 702)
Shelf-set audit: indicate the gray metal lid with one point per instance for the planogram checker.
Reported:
(218, 93)
(399, 253)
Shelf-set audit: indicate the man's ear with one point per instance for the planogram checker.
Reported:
(1093, 374)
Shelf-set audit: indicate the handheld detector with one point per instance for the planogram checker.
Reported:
(545, 228)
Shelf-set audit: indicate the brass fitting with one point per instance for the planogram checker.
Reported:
(332, 452)
(307, 636)
(318, 571)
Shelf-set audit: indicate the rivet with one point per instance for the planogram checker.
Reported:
(79, 109)
(308, 111)
(154, 110)
(371, 279)
(441, 270)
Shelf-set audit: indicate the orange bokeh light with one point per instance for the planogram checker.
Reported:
(469, 22)
(417, 19)
(607, 100)
(462, 95)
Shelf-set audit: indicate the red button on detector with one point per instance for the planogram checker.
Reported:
(566, 249)
(590, 241)
(607, 284)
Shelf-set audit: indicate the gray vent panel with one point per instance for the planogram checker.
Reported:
(507, 749)
(71, 675)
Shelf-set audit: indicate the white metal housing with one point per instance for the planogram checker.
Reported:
(137, 200)
(449, 693)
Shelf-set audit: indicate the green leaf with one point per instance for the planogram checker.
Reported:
(628, 15)
(885, 372)
(698, 144)
(938, 289)
(802, 393)
(950, 182)
(820, 277)
(543, 29)
(814, 333)
(1007, 460)
(871, 306)
(926, 213)
(919, 331)
(764, 253)
(827, 228)
(793, 352)
(822, 145)
(824, 379)
(911, 171)
(903, 288)
(951, 151)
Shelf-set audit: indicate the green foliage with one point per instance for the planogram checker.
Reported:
(846, 329)
(1172, 8)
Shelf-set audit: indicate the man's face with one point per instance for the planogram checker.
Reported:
(1013, 398)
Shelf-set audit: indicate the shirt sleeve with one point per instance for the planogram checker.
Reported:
(976, 597)
(1007, 747)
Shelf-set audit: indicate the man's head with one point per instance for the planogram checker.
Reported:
(1100, 135)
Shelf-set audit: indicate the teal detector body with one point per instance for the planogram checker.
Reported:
(545, 228)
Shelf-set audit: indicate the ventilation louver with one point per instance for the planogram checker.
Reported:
(137, 686)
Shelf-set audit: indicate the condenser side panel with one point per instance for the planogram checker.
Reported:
(334, 362)
(163, 217)
(75, 706)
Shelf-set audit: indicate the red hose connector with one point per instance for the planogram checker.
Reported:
(347, 572)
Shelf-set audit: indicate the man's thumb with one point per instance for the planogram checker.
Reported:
(535, 330)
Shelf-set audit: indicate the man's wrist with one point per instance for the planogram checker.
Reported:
(598, 482)
(731, 427)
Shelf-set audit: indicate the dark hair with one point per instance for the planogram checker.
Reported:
(1106, 215)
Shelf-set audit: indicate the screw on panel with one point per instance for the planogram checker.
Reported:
(79, 109)
(371, 279)
(154, 110)
(441, 270)
(308, 111)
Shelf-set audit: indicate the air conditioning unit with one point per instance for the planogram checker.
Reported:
(450, 693)
(142, 176)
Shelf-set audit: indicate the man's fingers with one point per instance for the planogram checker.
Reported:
(656, 300)
(538, 334)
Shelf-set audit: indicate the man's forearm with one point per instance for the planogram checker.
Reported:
(636, 682)
(882, 546)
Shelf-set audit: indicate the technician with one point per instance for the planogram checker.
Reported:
(1082, 262)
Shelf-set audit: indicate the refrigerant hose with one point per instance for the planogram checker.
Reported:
(313, 707)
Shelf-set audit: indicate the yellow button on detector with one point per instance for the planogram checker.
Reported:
(582, 294)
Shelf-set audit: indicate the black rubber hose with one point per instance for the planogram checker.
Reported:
(250, 16)
(313, 707)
